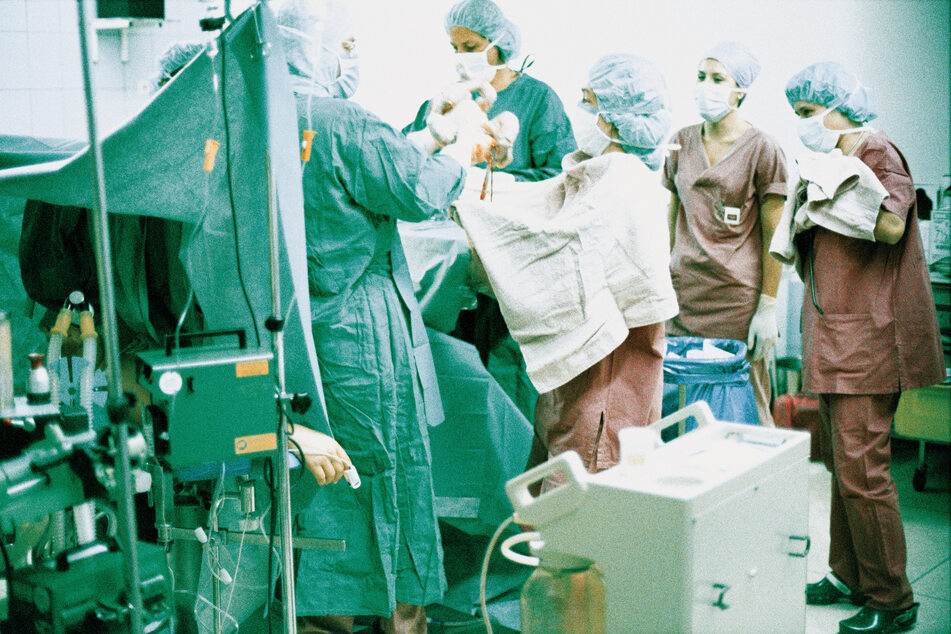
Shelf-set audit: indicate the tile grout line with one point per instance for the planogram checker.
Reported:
(935, 567)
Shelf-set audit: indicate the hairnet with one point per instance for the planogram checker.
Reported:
(312, 32)
(632, 95)
(738, 60)
(831, 85)
(485, 18)
(173, 59)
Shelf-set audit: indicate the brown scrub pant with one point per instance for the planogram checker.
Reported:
(867, 550)
(586, 414)
(406, 619)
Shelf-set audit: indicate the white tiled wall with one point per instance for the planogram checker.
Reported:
(40, 72)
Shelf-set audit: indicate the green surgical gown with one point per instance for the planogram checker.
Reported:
(375, 362)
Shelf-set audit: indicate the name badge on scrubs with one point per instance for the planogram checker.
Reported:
(731, 215)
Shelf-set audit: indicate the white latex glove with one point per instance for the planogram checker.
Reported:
(323, 456)
(462, 150)
(425, 140)
(763, 331)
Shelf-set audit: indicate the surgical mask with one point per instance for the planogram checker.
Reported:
(591, 139)
(476, 65)
(818, 138)
(713, 102)
(815, 136)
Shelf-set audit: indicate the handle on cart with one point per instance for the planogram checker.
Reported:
(185, 336)
(556, 502)
(806, 545)
(698, 409)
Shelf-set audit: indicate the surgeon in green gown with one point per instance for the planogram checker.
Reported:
(374, 356)
(486, 43)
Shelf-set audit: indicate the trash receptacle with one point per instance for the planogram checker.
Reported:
(711, 370)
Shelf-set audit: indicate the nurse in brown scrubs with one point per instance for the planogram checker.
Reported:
(625, 121)
(869, 332)
(728, 186)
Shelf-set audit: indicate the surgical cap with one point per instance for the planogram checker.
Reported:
(174, 59)
(738, 60)
(829, 84)
(312, 33)
(632, 95)
(485, 18)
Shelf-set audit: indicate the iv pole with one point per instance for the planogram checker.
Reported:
(275, 324)
(283, 475)
(117, 406)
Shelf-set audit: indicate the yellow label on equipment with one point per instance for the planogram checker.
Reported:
(255, 443)
(251, 368)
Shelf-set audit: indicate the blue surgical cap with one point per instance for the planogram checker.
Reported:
(829, 84)
(632, 95)
(738, 60)
(174, 59)
(485, 18)
(312, 32)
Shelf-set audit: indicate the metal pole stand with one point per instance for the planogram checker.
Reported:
(117, 405)
(275, 324)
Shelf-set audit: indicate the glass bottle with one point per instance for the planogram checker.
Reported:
(564, 595)
(38, 384)
(6, 363)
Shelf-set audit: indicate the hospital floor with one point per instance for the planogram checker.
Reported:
(927, 519)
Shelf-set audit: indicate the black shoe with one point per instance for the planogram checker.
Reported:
(869, 620)
(824, 592)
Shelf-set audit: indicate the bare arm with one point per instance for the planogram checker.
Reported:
(769, 213)
(889, 227)
(323, 456)
(672, 217)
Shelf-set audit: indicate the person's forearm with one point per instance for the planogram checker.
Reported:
(770, 213)
(672, 217)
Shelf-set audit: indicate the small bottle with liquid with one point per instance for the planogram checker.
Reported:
(38, 385)
(6, 363)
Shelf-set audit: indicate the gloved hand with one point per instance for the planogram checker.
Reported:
(464, 149)
(763, 331)
(323, 456)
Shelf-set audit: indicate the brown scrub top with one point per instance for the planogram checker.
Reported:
(878, 333)
(717, 261)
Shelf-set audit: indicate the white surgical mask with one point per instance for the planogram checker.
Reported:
(713, 102)
(815, 136)
(591, 139)
(476, 65)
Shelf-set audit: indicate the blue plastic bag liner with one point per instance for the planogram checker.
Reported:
(724, 383)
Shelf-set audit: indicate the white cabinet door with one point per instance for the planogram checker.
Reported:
(745, 577)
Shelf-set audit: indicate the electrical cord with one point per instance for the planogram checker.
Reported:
(483, 577)
(6, 557)
(234, 216)
(301, 453)
(269, 481)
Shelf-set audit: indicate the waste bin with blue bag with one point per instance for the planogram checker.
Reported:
(712, 370)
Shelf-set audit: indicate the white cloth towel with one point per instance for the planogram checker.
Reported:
(575, 261)
(839, 193)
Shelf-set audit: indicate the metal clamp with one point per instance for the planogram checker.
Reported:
(723, 588)
(807, 545)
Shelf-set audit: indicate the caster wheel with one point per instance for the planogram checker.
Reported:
(920, 478)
